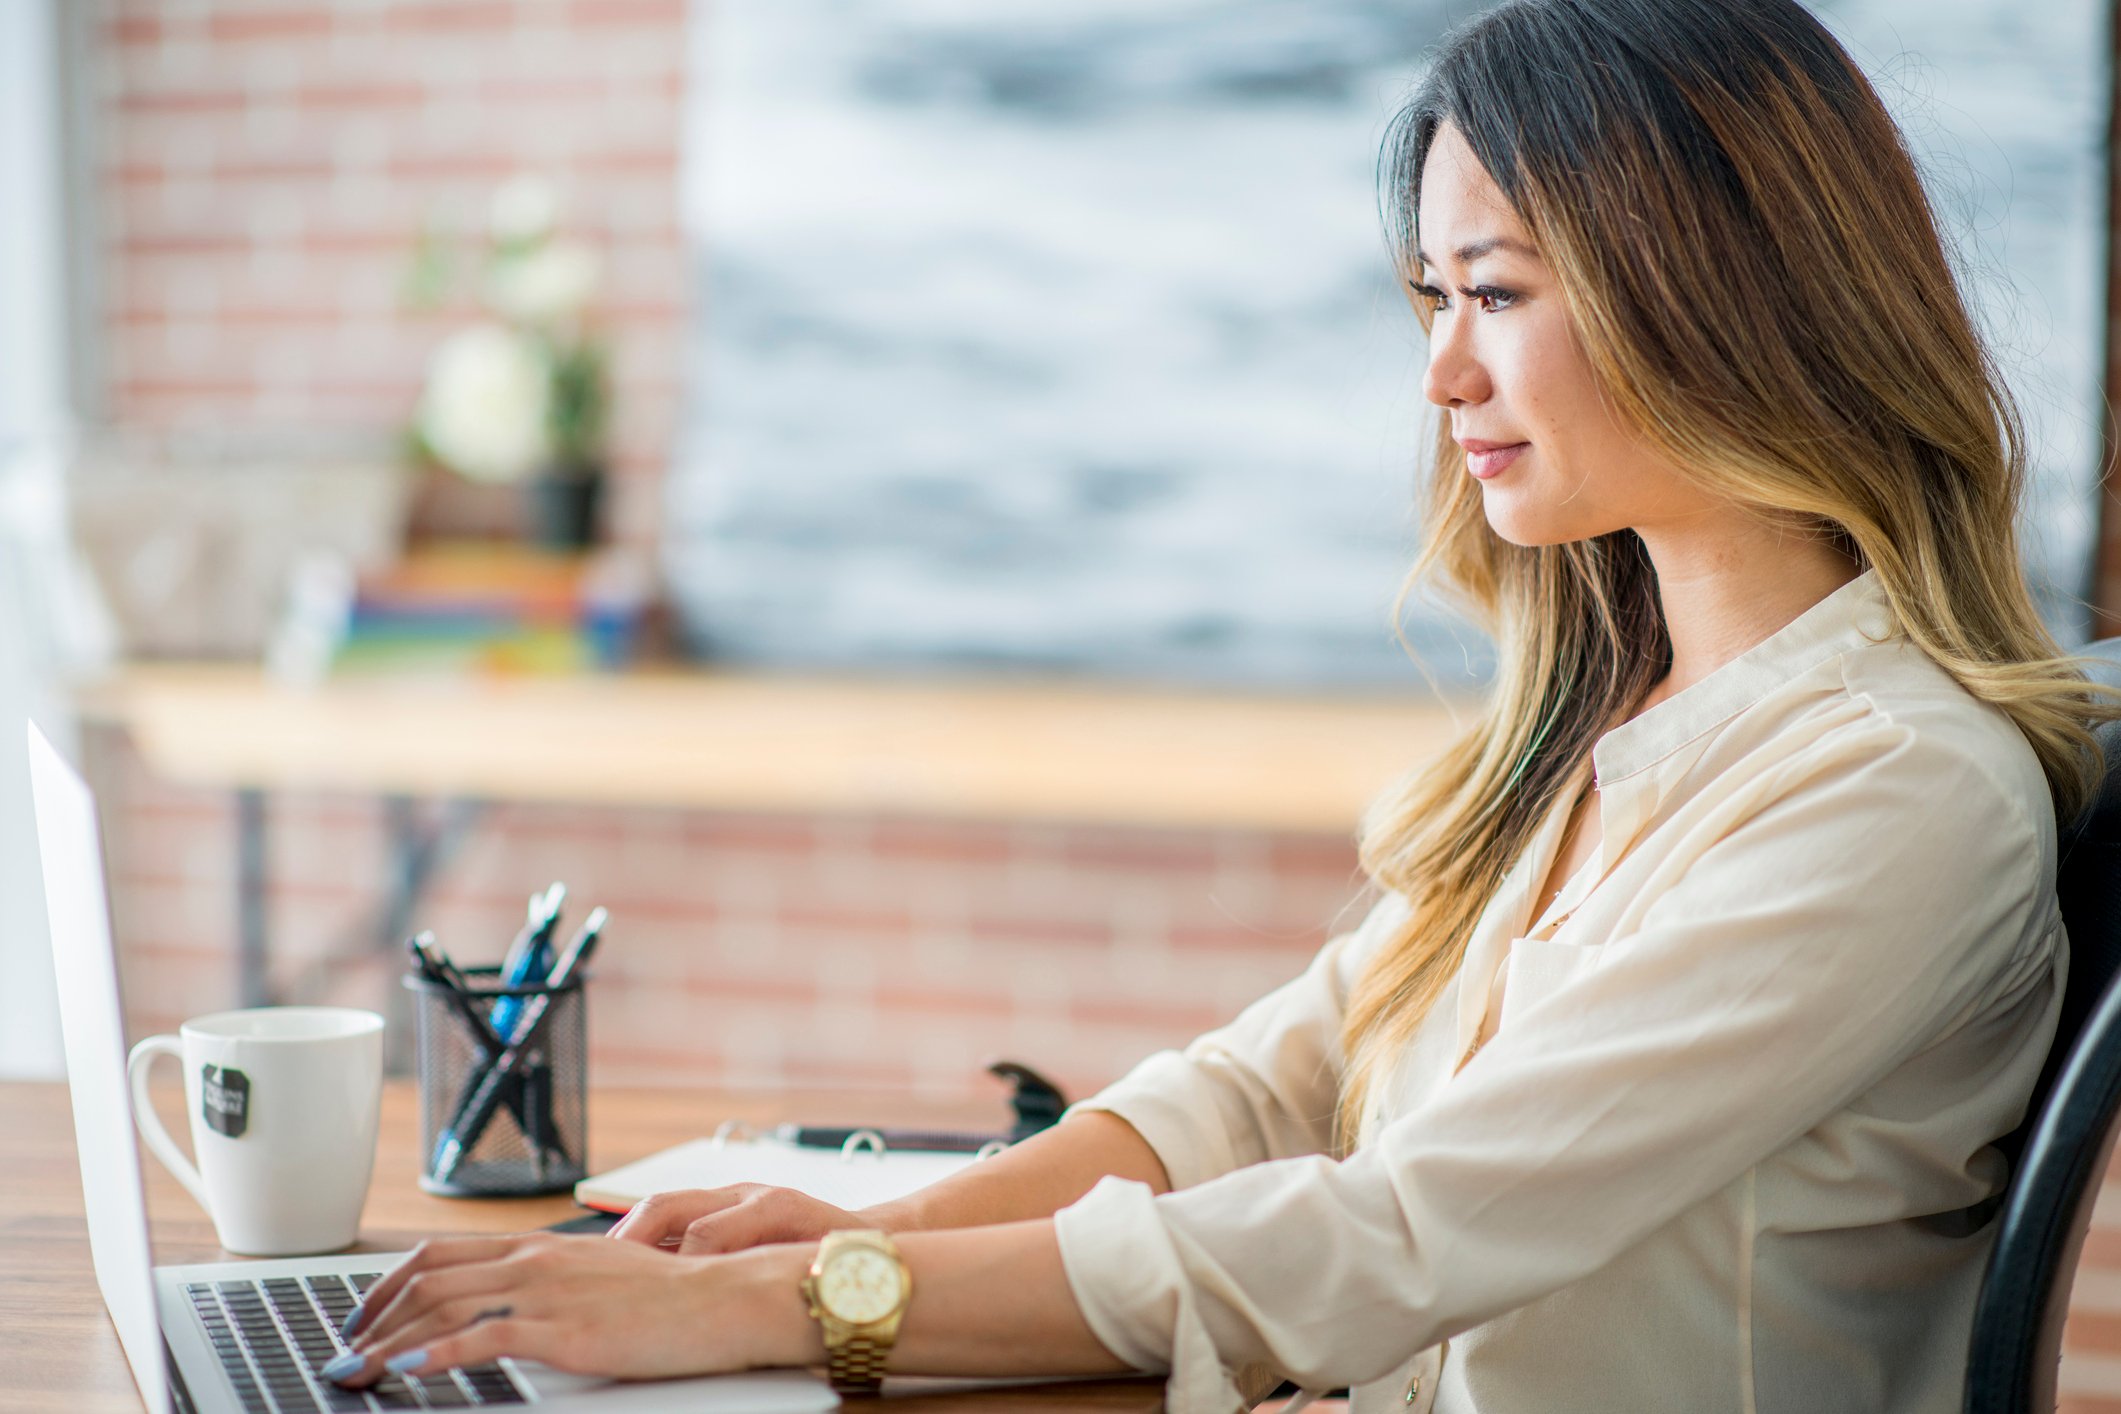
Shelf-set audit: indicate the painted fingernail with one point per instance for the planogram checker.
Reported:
(353, 1318)
(339, 1369)
(404, 1363)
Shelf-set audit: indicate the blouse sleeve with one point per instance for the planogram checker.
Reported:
(1264, 1086)
(1885, 893)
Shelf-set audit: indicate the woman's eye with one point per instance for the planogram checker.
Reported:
(1492, 299)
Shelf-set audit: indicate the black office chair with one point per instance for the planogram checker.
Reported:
(2071, 1123)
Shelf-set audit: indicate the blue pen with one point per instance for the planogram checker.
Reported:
(529, 956)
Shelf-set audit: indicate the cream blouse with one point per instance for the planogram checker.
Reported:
(1730, 1148)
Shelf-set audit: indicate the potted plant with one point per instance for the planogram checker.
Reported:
(522, 396)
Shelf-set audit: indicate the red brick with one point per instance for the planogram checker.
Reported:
(168, 101)
(309, 170)
(508, 90)
(1168, 1017)
(134, 30)
(2092, 1331)
(303, 21)
(660, 14)
(880, 1072)
(941, 841)
(1314, 854)
(1234, 938)
(937, 1002)
(792, 992)
(888, 922)
(746, 834)
(359, 95)
(1144, 850)
(994, 929)
(479, 168)
(437, 17)
(2102, 1249)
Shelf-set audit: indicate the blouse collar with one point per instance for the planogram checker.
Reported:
(1851, 616)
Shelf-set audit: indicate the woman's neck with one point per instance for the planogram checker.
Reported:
(1729, 582)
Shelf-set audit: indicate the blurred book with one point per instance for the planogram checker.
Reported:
(473, 608)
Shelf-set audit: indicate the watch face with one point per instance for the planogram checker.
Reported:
(859, 1285)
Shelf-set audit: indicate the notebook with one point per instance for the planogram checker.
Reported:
(854, 1180)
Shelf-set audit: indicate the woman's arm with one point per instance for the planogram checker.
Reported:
(989, 1300)
(1032, 1179)
(1264, 1086)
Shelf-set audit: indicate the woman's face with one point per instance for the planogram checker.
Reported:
(1505, 365)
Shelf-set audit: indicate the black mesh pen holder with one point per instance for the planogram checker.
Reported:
(501, 1120)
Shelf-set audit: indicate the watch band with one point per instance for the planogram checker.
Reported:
(856, 1365)
(855, 1354)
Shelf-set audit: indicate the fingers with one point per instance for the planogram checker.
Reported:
(437, 1323)
(765, 1215)
(429, 1257)
(661, 1218)
(472, 1343)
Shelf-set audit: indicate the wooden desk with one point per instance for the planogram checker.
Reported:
(1064, 752)
(713, 740)
(60, 1355)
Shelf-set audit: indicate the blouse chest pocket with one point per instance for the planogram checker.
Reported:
(1538, 968)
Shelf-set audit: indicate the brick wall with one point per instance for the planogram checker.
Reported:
(264, 168)
(757, 950)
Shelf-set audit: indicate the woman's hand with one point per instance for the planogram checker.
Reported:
(580, 1304)
(701, 1221)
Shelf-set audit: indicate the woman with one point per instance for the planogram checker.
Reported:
(1709, 965)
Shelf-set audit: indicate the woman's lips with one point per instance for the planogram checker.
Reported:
(1493, 461)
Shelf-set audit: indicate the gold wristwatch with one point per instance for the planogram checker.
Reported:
(858, 1289)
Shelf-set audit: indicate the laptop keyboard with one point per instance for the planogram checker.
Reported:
(272, 1336)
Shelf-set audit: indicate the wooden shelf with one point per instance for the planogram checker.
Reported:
(754, 742)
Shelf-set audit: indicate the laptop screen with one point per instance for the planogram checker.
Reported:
(92, 1024)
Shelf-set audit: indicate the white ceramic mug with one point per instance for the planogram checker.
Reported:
(283, 1104)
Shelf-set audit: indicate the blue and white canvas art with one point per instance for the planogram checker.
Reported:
(1064, 337)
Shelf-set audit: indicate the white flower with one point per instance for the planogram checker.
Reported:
(545, 285)
(485, 405)
(525, 208)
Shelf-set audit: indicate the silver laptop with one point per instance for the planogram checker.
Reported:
(249, 1337)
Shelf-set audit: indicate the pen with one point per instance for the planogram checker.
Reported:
(1038, 1103)
(529, 954)
(480, 1101)
(943, 1141)
(435, 966)
(577, 952)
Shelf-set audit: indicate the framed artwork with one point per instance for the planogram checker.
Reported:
(1065, 338)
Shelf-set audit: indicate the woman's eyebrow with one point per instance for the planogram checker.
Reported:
(1473, 250)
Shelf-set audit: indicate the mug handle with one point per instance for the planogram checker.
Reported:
(136, 1067)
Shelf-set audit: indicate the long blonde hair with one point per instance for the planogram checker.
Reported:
(1755, 273)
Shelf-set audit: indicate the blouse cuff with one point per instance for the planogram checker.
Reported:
(1133, 1290)
(1166, 1100)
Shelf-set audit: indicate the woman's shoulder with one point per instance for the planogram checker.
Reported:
(1899, 683)
(1889, 710)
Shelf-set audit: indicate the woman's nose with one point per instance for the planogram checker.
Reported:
(1455, 375)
